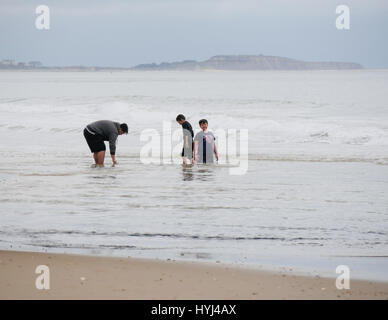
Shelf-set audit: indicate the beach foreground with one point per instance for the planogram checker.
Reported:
(89, 277)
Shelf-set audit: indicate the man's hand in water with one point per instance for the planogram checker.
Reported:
(114, 159)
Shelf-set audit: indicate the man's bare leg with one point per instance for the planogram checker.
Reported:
(100, 158)
(95, 160)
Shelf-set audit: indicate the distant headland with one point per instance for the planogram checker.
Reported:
(220, 62)
(248, 62)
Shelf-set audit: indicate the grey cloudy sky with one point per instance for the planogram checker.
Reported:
(126, 33)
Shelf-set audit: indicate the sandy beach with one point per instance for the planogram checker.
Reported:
(89, 277)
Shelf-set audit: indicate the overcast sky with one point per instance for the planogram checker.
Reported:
(129, 32)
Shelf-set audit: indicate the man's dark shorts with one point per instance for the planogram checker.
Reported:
(95, 141)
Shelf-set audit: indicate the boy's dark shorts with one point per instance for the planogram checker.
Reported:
(95, 141)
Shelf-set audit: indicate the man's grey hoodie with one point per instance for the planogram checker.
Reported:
(108, 130)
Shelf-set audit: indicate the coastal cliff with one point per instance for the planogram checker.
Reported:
(248, 62)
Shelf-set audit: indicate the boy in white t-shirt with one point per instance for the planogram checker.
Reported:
(204, 144)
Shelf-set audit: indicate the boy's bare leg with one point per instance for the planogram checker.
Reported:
(95, 157)
(184, 160)
(100, 158)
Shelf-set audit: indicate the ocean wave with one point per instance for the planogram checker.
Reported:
(36, 234)
(312, 158)
(69, 157)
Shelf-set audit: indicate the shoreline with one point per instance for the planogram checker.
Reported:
(110, 70)
(95, 277)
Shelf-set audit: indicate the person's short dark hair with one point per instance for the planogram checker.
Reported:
(202, 121)
(180, 117)
(124, 127)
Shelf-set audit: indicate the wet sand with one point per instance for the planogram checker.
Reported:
(89, 277)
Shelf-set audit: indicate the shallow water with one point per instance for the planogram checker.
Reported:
(314, 195)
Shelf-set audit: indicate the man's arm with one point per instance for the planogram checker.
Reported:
(112, 147)
(113, 159)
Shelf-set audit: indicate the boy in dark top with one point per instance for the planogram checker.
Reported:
(104, 130)
(188, 134)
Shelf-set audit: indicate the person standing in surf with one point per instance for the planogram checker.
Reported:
(97, 132)
(204, 144)
(188, 134)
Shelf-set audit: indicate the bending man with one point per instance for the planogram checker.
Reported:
(104, 130)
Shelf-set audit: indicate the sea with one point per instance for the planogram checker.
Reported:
(312, 195)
